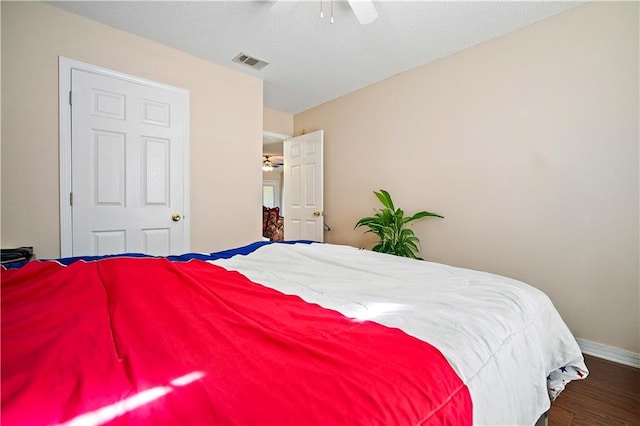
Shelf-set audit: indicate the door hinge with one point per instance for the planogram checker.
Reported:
(71, 198)
(69, 97)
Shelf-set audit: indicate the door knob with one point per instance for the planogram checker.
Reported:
(318, 213)
(176, 217)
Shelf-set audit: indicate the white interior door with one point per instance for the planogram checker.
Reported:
(303, 187)
(128, 166)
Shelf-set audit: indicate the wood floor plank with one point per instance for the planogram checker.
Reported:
(610, 395)
(560, 417)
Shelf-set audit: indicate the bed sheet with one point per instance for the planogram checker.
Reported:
(148, 341)
(503, 337)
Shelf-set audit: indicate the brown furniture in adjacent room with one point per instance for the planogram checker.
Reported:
(272, 224)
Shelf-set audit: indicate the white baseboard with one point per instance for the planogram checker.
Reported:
(610, 353)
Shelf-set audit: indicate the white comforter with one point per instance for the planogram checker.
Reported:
(502, 337)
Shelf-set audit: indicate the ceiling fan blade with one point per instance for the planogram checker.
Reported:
(282, 6)
(364, 10)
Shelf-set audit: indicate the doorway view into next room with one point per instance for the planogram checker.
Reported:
(272, 188)
(293, 200)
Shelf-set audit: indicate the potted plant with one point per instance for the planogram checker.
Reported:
(390, 225)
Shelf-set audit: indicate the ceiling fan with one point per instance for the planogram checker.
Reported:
(364, 10)
(268, 165)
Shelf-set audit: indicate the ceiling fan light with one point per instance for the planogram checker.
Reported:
(267, 166)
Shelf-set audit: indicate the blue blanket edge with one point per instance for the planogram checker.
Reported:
(225, 254)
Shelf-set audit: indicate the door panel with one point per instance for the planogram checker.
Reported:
(156, 240)
(109, 168)
(109, 242)
(128, 174)
(155, 173)
(303, 182)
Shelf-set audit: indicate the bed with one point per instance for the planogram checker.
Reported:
(277, 333)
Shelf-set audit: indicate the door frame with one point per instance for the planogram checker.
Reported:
(275, 135)
(281, 137)
(65, 65)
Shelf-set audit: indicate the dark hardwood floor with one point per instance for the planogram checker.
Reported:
(610, 395)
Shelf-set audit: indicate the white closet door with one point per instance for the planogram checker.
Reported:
(128, 174)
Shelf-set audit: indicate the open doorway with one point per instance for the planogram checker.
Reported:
(273, 186)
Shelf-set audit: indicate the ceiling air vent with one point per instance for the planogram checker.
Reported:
(255, 63)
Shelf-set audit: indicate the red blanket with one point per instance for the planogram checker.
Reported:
(148, 341)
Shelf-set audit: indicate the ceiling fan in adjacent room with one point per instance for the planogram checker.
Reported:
(268, 165)
(364, 10)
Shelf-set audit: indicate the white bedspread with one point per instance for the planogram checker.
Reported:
(502, 337)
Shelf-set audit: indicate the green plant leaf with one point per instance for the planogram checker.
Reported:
(422, 214)
(365, 221)
(385, 199)
(390, 226)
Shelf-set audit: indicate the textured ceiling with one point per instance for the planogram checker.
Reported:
(311, 60)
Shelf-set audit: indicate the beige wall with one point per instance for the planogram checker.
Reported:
(277, 122)
(226, 123)
(527, 144)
